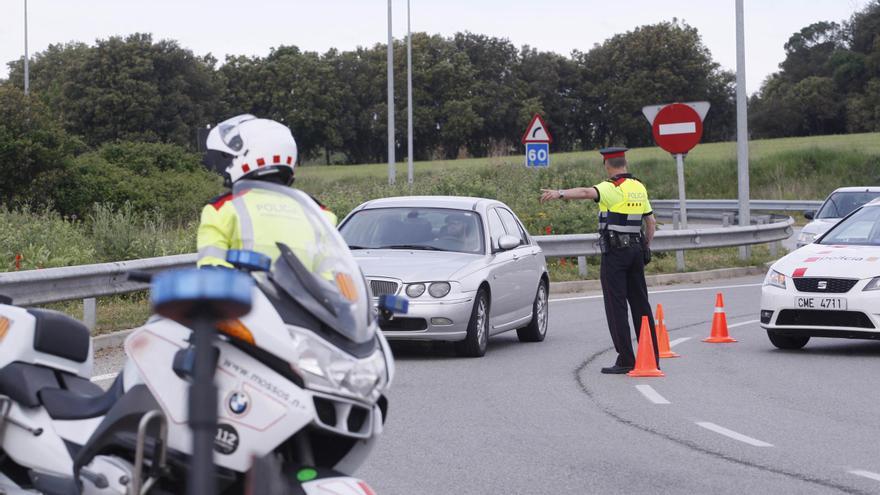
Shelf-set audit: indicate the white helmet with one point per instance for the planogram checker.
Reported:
(245, 146)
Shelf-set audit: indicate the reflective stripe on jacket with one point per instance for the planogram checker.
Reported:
(623, 202)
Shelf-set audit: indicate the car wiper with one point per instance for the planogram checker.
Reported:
(412, 246)
(358, 247)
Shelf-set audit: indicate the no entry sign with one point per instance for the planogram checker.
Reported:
(677, 128)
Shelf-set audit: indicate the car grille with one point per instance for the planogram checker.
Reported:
(833, 285)
(382, 287)
(822, 318)
(408, 324)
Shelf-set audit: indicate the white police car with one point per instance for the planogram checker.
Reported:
(830, 288)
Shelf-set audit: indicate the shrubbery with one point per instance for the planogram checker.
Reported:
(42, 238)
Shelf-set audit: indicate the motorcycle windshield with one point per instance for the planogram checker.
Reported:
(310, 260)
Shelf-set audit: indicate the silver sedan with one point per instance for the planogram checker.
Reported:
(467, 265)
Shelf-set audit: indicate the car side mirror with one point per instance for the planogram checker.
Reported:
(507, 242)
(809, 214)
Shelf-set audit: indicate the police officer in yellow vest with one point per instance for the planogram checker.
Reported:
(247, 148)
(623, 207)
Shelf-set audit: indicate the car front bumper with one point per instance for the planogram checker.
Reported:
(438, 319)
(861, 319)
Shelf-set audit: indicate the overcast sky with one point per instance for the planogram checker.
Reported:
(252, 27)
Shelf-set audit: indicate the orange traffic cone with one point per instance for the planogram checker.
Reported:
(719, 324)
(646, 365)
(663, 336)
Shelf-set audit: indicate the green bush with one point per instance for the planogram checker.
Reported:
(150, 177)
(42, 239)
(123, 234)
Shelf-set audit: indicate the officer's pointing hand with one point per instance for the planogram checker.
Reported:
(549, 194)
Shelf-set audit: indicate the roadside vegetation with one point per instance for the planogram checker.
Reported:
(793, 168)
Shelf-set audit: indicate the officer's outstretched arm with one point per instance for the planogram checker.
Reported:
(573, 193)
(650, 228)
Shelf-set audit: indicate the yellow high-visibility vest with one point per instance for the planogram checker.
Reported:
(623, 203)
(251, 221)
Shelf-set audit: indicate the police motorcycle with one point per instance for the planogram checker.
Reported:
(300, 382)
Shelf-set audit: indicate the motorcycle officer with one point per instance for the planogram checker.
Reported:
(248, 148)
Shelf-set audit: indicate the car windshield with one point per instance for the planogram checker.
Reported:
(429, 229)
(862, 228)
(311, 260)
(841, 204)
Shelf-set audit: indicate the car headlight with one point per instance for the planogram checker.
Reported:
(415, 290)
(775, 279)
(806, 237)
(439, 289)
(326, 368)
(874, 284)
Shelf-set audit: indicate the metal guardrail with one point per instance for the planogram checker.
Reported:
(673, 240)
(84, 281)
(90, 281)
(733, 205)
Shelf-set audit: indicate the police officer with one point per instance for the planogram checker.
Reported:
(623, 207)
(247, 148)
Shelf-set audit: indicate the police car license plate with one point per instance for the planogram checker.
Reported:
(832, 303)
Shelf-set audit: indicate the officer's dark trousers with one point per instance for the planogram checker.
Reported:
(623, 280)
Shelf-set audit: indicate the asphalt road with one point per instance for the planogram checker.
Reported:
(540, 418)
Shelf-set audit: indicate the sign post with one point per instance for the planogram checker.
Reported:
(677, 128)
(537, 140)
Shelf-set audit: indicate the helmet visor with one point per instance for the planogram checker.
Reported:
(226, 137)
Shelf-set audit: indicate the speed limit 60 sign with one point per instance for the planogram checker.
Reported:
(537, 155)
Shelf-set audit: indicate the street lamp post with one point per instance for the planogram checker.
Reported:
(392, 173)
(26, 56)
(409, 110)
(742, 127)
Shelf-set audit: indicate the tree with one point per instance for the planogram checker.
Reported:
(127, 88)
(659, 63)
(32, 144)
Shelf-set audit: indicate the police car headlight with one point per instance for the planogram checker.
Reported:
(874, 284)
(775, 279)
(326, 368)
(415, 290)
(439, 289)
(806, 237)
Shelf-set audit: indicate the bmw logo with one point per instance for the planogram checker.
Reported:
(238, 403)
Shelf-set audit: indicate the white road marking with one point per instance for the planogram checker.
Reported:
(744, 323)
(866, 474)
(100, 378)
(732, 434)
(678, 341)
(692, 289)
(651, 394)
(679, 128)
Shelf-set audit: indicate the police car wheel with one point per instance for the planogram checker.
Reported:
(474, 344)
(537, 328)
(787, 341)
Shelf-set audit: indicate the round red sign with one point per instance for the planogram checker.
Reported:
(677, 128)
